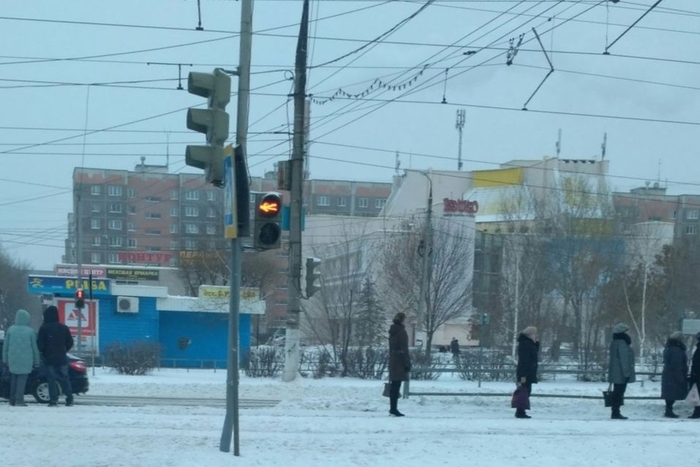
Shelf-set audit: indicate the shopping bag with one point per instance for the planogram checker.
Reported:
(608, 397)
(387, 390)
(693, 397)
(520, 399)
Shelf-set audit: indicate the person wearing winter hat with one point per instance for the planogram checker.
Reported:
(526, 371)
(399, 361)
(54, 342)
(21, 355)
(695, 373)
(674, 385)
(621, 368)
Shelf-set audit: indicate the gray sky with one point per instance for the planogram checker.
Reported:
(35, 186)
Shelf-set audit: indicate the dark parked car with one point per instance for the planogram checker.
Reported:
(37, 385)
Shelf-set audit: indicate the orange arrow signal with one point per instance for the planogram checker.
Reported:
(269, 207)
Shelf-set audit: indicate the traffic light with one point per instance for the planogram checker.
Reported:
(79, 299)
(312, 274)
(267, 231)
(212, 121)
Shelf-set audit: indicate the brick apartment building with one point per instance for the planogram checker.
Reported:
(150, 217)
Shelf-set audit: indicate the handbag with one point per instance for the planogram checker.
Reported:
(608, 396)
(387, 390)
(693, 397)
(520, 399)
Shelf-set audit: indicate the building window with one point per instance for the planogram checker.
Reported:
(363, 202)
(211, 212)
(190, 245)
(115, 224)
(210, 196)
(323, 201)
(152, 215)
(173, 211)
(152, 232)
(153, 199)
(253, 198)
(674, 215)
(192, 228)
(95, 190)
(115, 241)
(174, 229)
(131, 243)
(691, 229)
(132, 210)
(192, 195)
(95, 224)
(173, 245)
(191, 211)
(342, 202)
(131, 227)
(693, 214)
(114, 190)
(95, 207)
(173, 194)
(113, 258)
(152, 248)
(115, 208)
(211, 229)
(96, 241)
(379, 203)
(95, 258)
(130, 193)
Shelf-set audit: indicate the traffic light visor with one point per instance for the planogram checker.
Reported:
(270, 205)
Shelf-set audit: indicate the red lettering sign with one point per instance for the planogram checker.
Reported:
(460, 206)
(143, 257)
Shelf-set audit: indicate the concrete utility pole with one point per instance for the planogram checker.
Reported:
(427, 243)
(231, 420)
(291, 342)
(461, 118)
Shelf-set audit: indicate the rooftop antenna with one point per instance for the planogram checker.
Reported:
(658, 173)
(397, 164)
(167, 151)
(459, 125)
(558, 144)
(604, 146)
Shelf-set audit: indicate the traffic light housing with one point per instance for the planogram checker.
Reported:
(212, 121)
(267, 232)
(80, 299)
(312, 275)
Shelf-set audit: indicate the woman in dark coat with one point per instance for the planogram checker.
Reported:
(674, 384)
(526, 372)
(621, 369)
(695, 373)
(399, 361)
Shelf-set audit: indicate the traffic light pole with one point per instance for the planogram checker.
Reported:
(79, 259)
(231, 425)
(291, 341)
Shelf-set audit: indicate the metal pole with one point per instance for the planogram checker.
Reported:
(425, 279)
(481, 348)
(231, 422)
(291, 342)
(79, 227)
(517, 302)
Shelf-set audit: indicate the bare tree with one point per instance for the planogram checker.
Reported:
(13, 291)
(449, 291)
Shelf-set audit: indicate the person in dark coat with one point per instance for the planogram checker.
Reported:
(54, 342)
(621, 369)
(399, 361)
(526, 371)
(695, 373)
(674, 384)
(454, 347)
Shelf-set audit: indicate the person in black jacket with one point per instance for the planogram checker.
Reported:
(526, 372)
(54, 342)
(695, 373)
(674, 385)
(399, 361)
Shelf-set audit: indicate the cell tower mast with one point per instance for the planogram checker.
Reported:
(461, 114)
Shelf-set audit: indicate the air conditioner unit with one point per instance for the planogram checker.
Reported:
(127, 305)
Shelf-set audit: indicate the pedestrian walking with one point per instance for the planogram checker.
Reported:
(621, 369)
(399, 361)
(54, 342)
(21, 355)
(695, 373)
(528, 355)
(674, 378)
(454, 348)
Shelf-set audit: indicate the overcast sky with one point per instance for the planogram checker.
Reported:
(650, 75)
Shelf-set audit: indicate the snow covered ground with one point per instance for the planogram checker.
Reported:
(344, 422)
